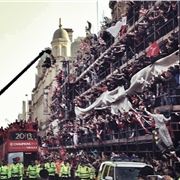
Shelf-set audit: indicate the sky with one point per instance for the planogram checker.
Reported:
(27, 28)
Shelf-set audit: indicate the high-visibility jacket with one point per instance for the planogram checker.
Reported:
(77, 170)
(38, 168)
(46, 165)
(4, 172)
(21, 165)
(51, 168)
(32, 171)
(83, 172)
(92, 172)
(65, 170)
(15, 170)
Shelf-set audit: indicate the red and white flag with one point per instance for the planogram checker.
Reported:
(153, 50)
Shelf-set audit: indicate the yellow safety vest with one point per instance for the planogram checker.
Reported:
(65, 171)
(15, 170)
(4, 172)
(32, 171)
(84, 172)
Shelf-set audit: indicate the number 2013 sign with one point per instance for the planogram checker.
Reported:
(22, 136)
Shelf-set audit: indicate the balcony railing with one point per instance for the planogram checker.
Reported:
(172, 97)
(114, 64)
(156, 34)
(124, 137)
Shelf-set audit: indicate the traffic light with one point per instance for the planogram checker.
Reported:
(155, 136)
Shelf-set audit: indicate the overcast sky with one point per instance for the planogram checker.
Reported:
(27, 28)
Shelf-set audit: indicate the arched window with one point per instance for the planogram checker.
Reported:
(64, 51)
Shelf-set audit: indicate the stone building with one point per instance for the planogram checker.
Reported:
(45, 77)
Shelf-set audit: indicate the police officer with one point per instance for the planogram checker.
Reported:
(15, 170)
(39, 166)
(32, 171)
(21, 166)
(65, 172)
(51, 168)
(83, 172)
(92, 172)
(4, 171)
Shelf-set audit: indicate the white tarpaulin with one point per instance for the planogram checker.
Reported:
(117, 98)
(114, 30)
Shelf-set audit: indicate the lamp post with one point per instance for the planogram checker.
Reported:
(48, 51)
(26, 108)
(46, 102)
(178, 17)
(65, 87)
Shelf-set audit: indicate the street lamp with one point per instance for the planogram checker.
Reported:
(26, 108)
(47, 50)
(46, 104)
(65, 86)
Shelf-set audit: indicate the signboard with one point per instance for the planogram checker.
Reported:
(12, 156)
(22, 146)
(23, 136)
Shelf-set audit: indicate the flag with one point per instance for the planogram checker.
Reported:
(114, 30)
(153, 50)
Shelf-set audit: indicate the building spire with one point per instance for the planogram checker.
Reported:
(60, 25)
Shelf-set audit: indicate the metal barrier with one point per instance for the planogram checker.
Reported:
(120, 138)
(156, 34)
(171, 97)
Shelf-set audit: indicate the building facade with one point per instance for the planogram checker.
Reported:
(47, 69)
(106, 71)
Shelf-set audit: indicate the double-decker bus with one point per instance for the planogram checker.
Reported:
(19, 143)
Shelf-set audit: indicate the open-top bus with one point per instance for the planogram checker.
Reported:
(19, 143)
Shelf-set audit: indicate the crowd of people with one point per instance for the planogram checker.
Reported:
(93, 159)
(82, 165)
(107, 61)
(135, 44)
(128, 46)
(101, 125)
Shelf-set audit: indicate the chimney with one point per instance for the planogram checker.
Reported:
(70, 33)
(24, 110)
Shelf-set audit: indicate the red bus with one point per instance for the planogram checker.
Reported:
(21, 143)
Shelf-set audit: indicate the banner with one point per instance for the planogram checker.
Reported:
(117, 98)
(114, 30)
(19, 156)
(22, 146)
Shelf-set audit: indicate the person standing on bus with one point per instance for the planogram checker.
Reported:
(15, 170)
(4, 171)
